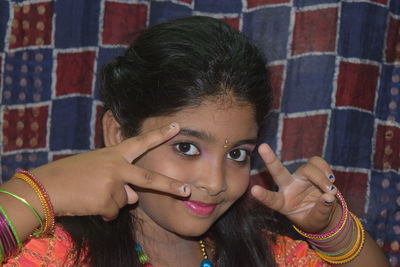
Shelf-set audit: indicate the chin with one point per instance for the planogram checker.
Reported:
(191, 230)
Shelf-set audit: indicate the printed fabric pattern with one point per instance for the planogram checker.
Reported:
(58, 251)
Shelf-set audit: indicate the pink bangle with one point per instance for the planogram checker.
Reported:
(335, 240)
(334, 231)
(7, 238)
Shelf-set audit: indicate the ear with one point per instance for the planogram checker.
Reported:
(111, 129)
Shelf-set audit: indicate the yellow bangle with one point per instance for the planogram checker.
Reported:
(354, 251)
(49, 217)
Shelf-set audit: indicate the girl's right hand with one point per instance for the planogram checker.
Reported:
(97, 182)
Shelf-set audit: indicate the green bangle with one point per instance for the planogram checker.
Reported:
(342, 250)
(12, 227)
(30, 207)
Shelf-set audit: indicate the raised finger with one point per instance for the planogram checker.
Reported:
(324, 166)
(132, 148)
(144, 178)
(275, 167)
(316, 176)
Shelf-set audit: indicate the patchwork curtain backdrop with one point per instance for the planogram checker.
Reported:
(335, 72)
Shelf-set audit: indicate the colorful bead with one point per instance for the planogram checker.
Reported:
(206, 263)
(144, 259)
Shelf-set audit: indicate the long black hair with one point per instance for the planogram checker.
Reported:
(169, 67)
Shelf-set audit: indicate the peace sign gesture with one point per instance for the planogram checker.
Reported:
(306, 197)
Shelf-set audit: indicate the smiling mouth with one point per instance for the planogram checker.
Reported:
(199, 208)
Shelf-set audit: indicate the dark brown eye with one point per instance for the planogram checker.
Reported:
(187, 149)
(239, 155)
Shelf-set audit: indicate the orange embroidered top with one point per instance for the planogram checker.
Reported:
(58, 251)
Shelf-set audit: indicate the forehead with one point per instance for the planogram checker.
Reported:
(222, 119)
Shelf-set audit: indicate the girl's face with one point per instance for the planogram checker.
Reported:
(211, 153)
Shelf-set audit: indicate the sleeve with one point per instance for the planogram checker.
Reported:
(53, 252)
(294, 253)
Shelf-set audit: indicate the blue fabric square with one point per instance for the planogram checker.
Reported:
(350, 139)
(308, 84)
(105, 55)
(361, 24)
(4, 16)
(269, 29)
(383, 201)
(26, 160)
(231, 6)
(70, 16)
(27, 76)
(395, 6)
(69, 127)
(165, 11)
(303, 3)
(293, 166)
(388, 94)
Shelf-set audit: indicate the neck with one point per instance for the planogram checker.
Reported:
(165, 248)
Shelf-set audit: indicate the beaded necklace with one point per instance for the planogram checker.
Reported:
(144, 259)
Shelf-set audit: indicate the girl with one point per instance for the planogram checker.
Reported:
(185, 104)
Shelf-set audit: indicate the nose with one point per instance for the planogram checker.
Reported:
(211, 178)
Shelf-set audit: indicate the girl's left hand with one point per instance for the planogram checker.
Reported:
(306, 197)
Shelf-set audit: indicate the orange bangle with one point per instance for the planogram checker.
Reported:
(44, 200)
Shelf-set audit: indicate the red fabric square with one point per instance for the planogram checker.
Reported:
(25, 128)
(383, 2)
(315, 31)
(75, 72)
(255, 3)
(31, 25)
(353, 186)
(387, 148)
(392, 49)
(233, 22)
(303, 137)
(356, 85)
(276, 83)
(122, 21)
(98, 131)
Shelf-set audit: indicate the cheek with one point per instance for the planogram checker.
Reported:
(238, 181)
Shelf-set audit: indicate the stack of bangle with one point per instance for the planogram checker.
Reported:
(348, 224)
(9, 240)
(44, 201)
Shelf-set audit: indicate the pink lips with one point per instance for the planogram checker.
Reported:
(199, 208)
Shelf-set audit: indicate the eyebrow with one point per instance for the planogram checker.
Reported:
(210, 138)
(198, 134)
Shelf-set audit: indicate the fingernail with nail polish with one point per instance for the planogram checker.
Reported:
(331, 177)
(184, 188)
(328, 203)
(332, 187)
